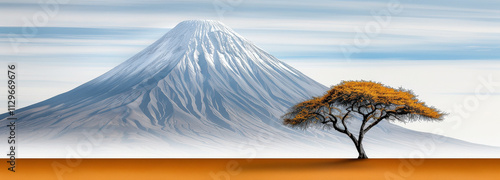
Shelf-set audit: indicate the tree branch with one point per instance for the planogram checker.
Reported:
(387, 114)
(343, 119)
(372, 124)
(335, 125)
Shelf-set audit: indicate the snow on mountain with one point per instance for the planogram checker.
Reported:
(202, 90)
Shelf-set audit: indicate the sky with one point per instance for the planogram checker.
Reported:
(443, 50)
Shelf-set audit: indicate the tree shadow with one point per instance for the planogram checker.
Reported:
(301, 164)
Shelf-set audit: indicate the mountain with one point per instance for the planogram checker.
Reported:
(201, 90)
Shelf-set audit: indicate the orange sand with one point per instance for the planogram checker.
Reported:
(256, 169)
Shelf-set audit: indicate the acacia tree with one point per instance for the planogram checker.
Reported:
(367, 101)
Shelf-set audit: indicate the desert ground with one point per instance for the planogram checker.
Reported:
(252, 169)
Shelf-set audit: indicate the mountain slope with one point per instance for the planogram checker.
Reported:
(200, 90)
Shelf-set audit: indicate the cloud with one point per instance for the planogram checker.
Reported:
(316, 29)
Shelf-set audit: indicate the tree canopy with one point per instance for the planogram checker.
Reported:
(369, 101)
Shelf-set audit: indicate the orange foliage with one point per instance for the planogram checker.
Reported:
(362, 91)
(372, 95)
(304, 111)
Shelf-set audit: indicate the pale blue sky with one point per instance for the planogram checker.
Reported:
(112, 30)
(451, 42)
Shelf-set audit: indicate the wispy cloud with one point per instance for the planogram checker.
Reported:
(316, 27)
(111, 31)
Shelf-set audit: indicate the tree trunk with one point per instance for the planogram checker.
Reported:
(359, 146)
(357, 142)
(361, 151)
